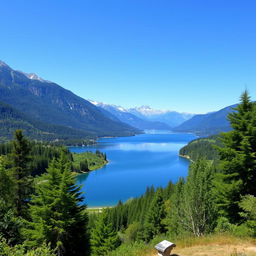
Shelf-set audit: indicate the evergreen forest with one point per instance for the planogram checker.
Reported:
(41, 209)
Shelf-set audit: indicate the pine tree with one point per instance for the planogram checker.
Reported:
(84, 166)
(154, 219)
(175, 216)
(238, 160)
(9, 223)
(103, 236)
(22, 174)
(7, 185)
(57, 215)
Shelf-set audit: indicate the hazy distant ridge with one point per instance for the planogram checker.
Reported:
(125, 116)
(145, 117)
(207, 124)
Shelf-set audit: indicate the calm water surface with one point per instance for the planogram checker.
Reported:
(134, 164)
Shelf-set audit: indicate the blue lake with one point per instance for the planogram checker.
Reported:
(134, 164)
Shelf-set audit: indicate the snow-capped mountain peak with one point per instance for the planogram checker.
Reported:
(96, 103)
(3, 64)
(101, 104)
(148, 111)
(34, 76)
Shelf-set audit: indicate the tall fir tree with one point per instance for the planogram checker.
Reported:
(103, 236)
(175, 217)
(154, 224)
(9, 222)
(57, 213)
(19, 159)
(238, 160)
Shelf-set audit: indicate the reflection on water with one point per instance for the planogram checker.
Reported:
(134, 163)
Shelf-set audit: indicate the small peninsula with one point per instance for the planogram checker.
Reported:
(88, 161)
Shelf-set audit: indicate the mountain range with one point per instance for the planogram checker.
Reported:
(208, 124)
(50, 104)
(145, 117)
(46, 111)
(125, 116)
(172, 118)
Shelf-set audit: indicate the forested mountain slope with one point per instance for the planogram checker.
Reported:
(11, 119)
(50, 103)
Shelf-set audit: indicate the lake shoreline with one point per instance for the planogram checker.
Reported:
(137, 162)
(186, 157)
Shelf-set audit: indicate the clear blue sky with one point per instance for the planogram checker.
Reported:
(192, 55)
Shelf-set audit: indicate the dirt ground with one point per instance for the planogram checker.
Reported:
(216, 250)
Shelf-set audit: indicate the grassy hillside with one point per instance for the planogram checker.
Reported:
(212, 245)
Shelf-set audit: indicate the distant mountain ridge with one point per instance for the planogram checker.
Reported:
(47, 110)
(171, 118)
(208, 124)
(49, 103)
(125, 116)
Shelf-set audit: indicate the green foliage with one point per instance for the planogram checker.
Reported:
(202, 148)
(192, 209)
(223, 225)
(154, 218)
(83, 166)
(19, 250)
(7, 184)
(103, 237)
(132, 249)
(42, 153)
(175, 215)
(135, 210)
(57, 216)
(19, 160)
(88, 161)
(131, 234)
(242, 230)
(238, 160)
(11, 119)
(10, 224)
(248, 205)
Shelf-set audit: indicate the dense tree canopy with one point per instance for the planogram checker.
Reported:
(238, 159)
(56, 213)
